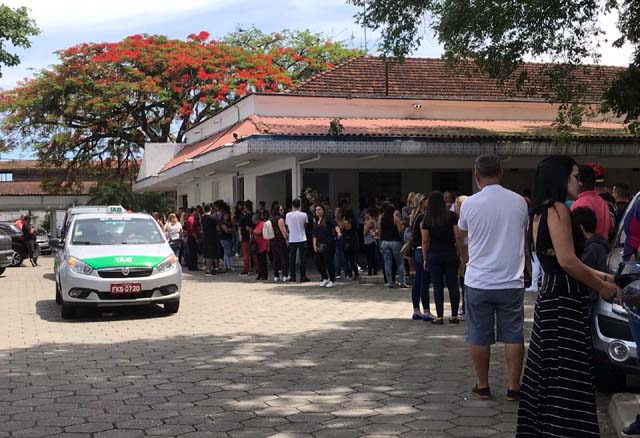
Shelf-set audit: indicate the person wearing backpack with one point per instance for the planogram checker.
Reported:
(278, 243)
(261, 246)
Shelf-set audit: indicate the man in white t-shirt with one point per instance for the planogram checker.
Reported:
(296, 222)
(495, 219)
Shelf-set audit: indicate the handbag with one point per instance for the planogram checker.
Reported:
(267, 230)
(322, 248)
(407, 248)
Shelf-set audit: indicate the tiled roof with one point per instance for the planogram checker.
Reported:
(33, 188)
(449, 129)
(18, 164)
(430, 128)
(242, 129)
(431, 79)
(34, 164)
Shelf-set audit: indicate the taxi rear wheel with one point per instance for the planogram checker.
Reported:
(172, 307)
(67, 311)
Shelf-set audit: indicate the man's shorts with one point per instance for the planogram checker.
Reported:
(494, 315)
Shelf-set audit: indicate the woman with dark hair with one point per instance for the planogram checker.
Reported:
(226, 238)
(325, 232)
(370, 240)
(557, 396)
(420, 290)
(390, 228)
(278, 244)
(339, 257)
(349, 243)
(439, 234)
(262, 246)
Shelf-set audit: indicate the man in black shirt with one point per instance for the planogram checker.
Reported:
(29, 235)
(246, 227)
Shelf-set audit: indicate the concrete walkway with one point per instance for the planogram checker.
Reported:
(241, 359)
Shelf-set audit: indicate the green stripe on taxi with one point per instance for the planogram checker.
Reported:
(117, 261)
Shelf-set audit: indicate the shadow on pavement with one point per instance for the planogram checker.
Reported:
(48, 310)
(364, 377)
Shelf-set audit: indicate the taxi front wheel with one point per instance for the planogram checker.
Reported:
(67, 311)
(172, 307)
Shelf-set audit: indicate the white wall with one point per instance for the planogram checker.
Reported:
(156, 155)
(272, 187)
(250, 174)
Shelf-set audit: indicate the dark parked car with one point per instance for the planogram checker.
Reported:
(6, 252)
(17, 239)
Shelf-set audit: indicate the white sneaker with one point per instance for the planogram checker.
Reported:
(285, 279)
(276, 279)
(330, 284)
(324, 283)
(338, 277)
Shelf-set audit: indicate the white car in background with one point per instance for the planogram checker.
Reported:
(107, 260)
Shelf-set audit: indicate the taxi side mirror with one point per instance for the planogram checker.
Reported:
(56, 243)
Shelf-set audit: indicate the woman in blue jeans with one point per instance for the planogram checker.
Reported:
(439, 234)
(420, 290)
(391, 228)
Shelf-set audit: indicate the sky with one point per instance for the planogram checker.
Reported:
(65, 23)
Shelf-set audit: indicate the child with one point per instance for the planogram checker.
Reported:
(596, 248)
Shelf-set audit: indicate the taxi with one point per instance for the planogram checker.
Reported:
(107, 260)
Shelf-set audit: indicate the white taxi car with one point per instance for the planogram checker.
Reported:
(107, 260)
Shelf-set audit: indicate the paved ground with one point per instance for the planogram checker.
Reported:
(240, 359)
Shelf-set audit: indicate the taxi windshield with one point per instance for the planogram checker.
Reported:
(116, 231)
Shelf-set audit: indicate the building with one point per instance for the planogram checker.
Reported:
(367, 128)
(21, 192)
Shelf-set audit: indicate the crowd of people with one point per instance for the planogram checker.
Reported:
(480, 247)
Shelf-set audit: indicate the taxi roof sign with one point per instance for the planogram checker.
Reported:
(115, 209)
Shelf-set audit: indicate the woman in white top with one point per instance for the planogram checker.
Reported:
(173, 231)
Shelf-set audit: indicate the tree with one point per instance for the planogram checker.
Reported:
(300, 52)
(15, 28)
(500, 35)
(103, 101)
(120, 193)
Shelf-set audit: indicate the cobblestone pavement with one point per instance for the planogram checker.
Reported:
(240, 359)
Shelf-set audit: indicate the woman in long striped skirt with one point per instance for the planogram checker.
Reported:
(557, 395)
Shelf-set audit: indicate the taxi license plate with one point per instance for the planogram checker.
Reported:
(126, 288)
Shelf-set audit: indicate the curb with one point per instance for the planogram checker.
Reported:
(623, 409)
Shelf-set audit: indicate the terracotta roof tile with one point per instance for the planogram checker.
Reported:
(18, 164)
(431, 79)
(431, 128)
(215, 141)
(25, 188)
(453, 129)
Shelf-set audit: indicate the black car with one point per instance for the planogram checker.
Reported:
(6, 252)
(17, 242)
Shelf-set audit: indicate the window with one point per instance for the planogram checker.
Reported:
(6, 177)
(116, 231)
